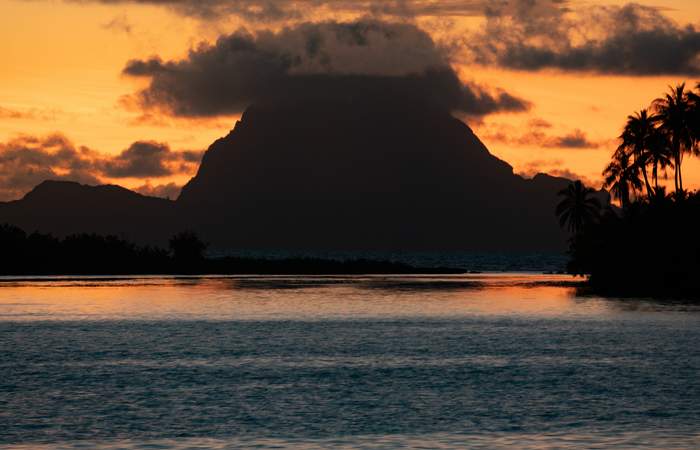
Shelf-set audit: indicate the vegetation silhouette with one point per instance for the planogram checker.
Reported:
(579, 208)
(677, 117)
(649, 246)
(187, 250)
(92, 254)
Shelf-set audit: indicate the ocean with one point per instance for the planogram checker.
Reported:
(462, 361)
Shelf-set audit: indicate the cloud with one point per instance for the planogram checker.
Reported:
(35, 114)
(285, 10)
(119, 24)
(149, 159)
(170, 190)
(26, 161)
(535, 137)
(575, 139)
(539, 123)
(532, 35)
(553, 167)
(6, 113)
(542, 34)
(310, 59)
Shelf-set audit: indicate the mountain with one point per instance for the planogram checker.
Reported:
(64, 207)
(347, 171)
(365, 174)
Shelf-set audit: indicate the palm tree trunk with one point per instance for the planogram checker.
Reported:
(677, 160)
(675, 172)
(655, 176)
(650, 192)
(625, 198)
(680, 173)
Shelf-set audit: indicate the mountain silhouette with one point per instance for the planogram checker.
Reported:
(348, 169)
(365, 172)
(64, 207)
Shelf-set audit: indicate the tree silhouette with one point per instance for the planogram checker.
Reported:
(660, 156)
(622, 178)
(651, 249)
(579, 208)
(638, 138)
(675, 115)
(187, 248)
(694, 100)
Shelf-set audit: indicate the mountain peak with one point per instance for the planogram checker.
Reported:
(369, 173)
(372, 174)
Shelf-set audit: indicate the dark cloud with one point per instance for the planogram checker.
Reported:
(26, 161)
(535, 137)
(519, 34)
(540, 34)
(149, 159)
(575, 139)
(279, 10)
(539, 123)
(320, 59)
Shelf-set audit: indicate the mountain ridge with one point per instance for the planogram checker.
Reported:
(360, 173)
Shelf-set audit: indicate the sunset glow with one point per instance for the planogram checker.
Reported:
(64, 61)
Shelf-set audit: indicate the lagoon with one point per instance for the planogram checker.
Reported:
(480, 361)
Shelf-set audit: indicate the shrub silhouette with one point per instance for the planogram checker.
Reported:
(187, 249)
(92, 254)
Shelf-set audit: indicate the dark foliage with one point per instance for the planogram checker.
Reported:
(92, 254)
(187, 251)
(649, 249)
(38, 254)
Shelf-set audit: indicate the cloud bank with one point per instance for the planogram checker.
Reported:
(285, 10)
(28, 160)
(624, 40)
(307, 60)
(629, 39)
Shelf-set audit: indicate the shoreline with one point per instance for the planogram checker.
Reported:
(205, 276)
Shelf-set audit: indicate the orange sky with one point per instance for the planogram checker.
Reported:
(62, 64)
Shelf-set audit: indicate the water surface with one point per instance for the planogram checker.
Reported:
(486, 361)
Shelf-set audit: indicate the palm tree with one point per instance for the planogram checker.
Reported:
(694, 99)
(659, 155)
(579, 208)
(622, 178)
(637, 137)
(675, 122)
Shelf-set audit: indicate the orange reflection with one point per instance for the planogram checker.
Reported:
(292, 298)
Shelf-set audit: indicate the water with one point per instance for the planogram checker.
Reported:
(469, 261)
(480, 361)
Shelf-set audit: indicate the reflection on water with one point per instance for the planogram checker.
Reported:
(291, 298)
(484, 361)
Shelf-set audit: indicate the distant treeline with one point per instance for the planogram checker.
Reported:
(650, 245)
(92, 254)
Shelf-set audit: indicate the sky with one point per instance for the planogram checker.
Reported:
(131, 92)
